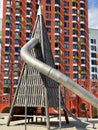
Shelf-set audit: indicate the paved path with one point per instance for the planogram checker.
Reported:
(54, 124)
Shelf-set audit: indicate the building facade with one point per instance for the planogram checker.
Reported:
(93, 52)
(67, 26)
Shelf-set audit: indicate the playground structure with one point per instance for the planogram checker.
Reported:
(39, 81)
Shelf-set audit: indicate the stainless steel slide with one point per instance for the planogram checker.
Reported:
(55, 74)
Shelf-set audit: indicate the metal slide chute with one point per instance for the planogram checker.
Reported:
(55, 74)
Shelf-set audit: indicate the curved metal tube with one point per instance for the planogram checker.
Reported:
(55, 74)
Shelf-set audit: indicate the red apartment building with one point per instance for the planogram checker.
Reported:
(67, 26)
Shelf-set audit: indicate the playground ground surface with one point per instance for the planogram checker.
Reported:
(54, 124)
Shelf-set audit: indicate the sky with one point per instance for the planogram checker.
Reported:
(93, 13)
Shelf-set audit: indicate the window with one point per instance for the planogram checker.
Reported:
(57, 23)
(48, 8)
(57, 45)
(75, 32)
(48, 30)
(74, 11)
(16, 65)
(83, 68)
(17, 42)
(82, 5)
(28, 35)
(57, 30)
(94, 69)
(83, 33)
(74, 4)
(6, 90)
(66, 39)
(18, 26)
(57, 16)
(18, 34)
(28, 27)
(6, 65)
(15, 81)
(8, 25)
(9, 10)
(7, 49)
(93, 41)
(7, 81)
(83, 54)
(6, 73)
(66, 17)
(66, 46)
(29, 20)
(18, 19)
(75, 61)
(18, 3)
(48, 15)
(82, 19)
(57, 52)
(83, 76)
(66, 53)
(83, 40)
(76, 76)
(29, 5)
(7, 57)
(57, 37)
(8, 33)
(66, 31)
(94, 76)
(75, 18)
(75, 53)
(57, 9)
(83, 47)
(16, 73)
(18, 57)
(18, 11)
(93, 48)
(48, 1)
(75, 39)
(93, 62)
(29, 12)
(93, 55)
(82, 26)
(75, 68)
(66, 3)
(57, 60)
(67, 61)
(75, 25)
(66, 24)
(8, 41)
(66, 10)
(66, 68)
(17, 49)
(57, 2)
(75, 46)
(82, 13)
(8, 2)
(83, 61)
(48, 22)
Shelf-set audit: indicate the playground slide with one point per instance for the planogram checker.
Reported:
(55, 74)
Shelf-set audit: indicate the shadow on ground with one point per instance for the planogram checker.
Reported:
(55, 125)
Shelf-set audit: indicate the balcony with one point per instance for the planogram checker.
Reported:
(82, 1)
(28, 0)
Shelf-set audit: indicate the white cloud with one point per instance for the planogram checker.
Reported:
(93, 17)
